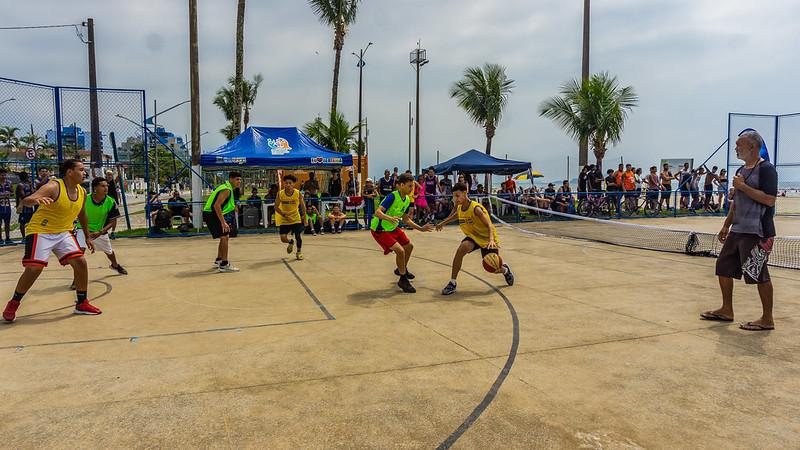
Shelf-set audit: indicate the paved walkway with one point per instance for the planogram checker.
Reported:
(595, 346)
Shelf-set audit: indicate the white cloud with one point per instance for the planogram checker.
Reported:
(690, 61)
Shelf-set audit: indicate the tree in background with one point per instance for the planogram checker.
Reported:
(595, 110)
(337, 14)
(8, 137)
(336, 135)
(226, 102)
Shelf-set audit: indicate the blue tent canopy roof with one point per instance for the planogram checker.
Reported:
(474, 161)
(277, 148)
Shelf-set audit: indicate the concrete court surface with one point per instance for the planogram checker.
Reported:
(595, 346)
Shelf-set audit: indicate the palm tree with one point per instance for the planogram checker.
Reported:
(595, 110)
(239, 66)
(226, 102)
(32, 140)
(8, 136)
(483, 94)
(338, 14)
(337, 135)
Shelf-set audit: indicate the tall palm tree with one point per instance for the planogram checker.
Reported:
(337, 14)
(32, 140)
(595, 110)
(483, 94)
(237, 120)
(8, 136)
(226, 102)
(337, 135)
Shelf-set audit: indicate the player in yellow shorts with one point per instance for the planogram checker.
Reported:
(60, 201)
(480, 234)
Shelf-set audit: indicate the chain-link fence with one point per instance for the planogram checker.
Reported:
(781, 135)
(42, 125)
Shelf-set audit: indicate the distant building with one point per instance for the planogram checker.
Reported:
(72, 136)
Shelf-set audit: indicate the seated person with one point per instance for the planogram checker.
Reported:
(178, 207)
(255, 201)
(336, 218)
(314, 222)
(550, 194)
(561, 202)
(154, 205)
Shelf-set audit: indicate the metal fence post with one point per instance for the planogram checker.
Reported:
(59, 140)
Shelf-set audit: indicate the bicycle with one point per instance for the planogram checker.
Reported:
(593, 205)
(647, 205)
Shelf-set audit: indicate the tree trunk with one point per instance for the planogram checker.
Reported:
(237, 88)
(599, 153)
(246, 117)
(338, 43)
(489, 135)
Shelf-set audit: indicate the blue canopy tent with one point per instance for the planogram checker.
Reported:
(474, 161)
(275, 148)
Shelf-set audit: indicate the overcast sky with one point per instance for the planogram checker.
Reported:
(690, 61)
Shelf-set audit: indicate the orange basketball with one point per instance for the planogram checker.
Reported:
(492, 263)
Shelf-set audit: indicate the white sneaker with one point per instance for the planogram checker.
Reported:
(228, 268)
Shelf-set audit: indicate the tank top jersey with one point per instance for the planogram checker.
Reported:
(58, 216)
(473, 227)
(290, 205)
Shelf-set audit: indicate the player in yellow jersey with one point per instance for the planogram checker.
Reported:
(480, 234)
(290, 215)
(60, 202)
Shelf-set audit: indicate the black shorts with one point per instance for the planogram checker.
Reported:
(745, 254)
(475, 246)
(293, 228)
(215, 227)
(666, 192)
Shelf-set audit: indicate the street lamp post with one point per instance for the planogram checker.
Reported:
(417, 59)
(360, 66)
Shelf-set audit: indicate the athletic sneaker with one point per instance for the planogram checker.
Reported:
(227, 268)
(449, 289)
(120, 270)
(10, 313)
(216, 264)
(290, 247)
(509, 275)
(406, 286)
(299, 255)
(86, 308)
(409, 275)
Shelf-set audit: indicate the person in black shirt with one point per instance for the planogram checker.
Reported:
(335, 185)
(385, 184)
(612, 188)
(582, 182)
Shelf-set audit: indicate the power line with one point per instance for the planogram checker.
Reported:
(37, 27)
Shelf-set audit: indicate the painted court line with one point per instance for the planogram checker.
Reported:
(309, 292)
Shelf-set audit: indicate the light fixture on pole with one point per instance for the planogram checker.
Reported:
(360, 149)
(417, 58)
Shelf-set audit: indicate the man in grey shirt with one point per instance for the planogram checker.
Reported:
(748, 232)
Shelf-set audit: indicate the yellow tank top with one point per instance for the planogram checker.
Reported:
(290, 205)
(58, 216)
(473, 227)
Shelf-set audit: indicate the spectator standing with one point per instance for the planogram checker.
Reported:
(748, 234)
(652, 182)
(42, 179)
(722, 186)
(708, 186)
(386, 184)
(582, 184)
(666, 178)
(24, 189)
(369, 194)
(6, 194)
(335, 184)
(430, 182)
(612, 188)
(311, 190)
(254, 201)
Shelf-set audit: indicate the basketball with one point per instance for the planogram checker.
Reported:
(492, 263)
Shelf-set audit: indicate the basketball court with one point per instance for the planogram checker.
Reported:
(595, 346)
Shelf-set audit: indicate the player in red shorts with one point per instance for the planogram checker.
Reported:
(391, 238)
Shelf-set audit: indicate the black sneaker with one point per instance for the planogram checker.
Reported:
(449, 289)
(509, 275)
(409, 275)
(406, 286)
(290, 247)
(120, 270)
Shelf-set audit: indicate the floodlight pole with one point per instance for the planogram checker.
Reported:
(360, 150)
(583, 145)
(418, 59)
